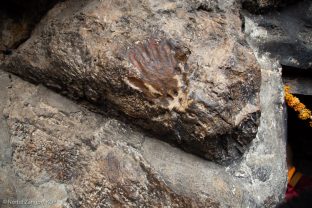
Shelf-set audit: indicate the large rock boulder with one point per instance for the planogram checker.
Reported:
(178, 68)
(56, 153)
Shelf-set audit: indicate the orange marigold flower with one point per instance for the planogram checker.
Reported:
(287, 89)
(288, 97)
(299, 107)
(305, 114)
(293, 101)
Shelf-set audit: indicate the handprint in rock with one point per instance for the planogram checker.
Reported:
(160, 70)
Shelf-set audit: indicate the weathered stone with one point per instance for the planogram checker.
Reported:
(17, 19)
(5, 148)
(286, 35)
(177, 68)
(63, 155)
(81, 158)
(299, 80)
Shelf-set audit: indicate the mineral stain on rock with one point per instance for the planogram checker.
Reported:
(161, 72)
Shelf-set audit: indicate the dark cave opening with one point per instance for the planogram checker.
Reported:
(300, 138)
(32, 9)
(299, 132)
(18, 19)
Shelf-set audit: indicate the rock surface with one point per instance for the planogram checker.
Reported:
(177, 68)
(17, 19)
(286, 34)
(55, 152)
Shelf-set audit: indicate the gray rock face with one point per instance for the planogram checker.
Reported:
(56, 152)
(177, 68)
(286, 35)
(81, 159)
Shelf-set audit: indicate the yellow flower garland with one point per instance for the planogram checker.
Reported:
(294, 103)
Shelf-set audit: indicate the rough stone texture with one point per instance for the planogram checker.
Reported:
(177, 68)
(17, 19)
(300, 83)
(58, 153)
(12, 34)
(286, 35)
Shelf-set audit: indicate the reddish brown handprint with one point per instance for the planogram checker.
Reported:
(161, 72)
